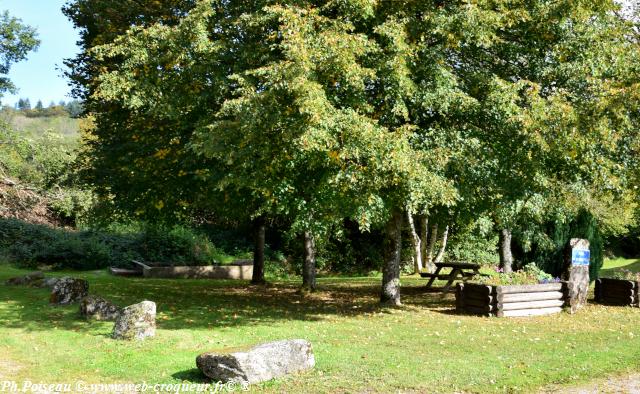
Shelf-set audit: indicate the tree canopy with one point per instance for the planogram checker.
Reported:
(16, 41)
(319, 111)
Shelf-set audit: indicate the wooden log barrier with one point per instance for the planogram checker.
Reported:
(520, 297)
(617, 292)
(512, 306)
(529, 288)
(529, 312)
(510, 301)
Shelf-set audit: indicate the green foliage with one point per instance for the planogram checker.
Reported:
(16, 40)
(624, 274)
(549, 248)
(72, 205)
(347, 250)
(42, 161)
(475, 242)
(319, 111)
(32, 245)
(32, 127)
(530, 274)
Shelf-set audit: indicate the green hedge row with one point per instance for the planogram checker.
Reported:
(30, 245)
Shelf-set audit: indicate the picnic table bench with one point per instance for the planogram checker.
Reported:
(459, 271)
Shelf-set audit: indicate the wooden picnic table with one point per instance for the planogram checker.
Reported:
(459, 271)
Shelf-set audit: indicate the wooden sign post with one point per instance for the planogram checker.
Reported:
(576, 273)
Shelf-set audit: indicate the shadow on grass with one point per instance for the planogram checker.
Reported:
(192, 375)
(633, 266)
(206, 304)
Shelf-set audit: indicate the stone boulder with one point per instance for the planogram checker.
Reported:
(93, 307)
(26, 280)
(49, 282)
(69, 290)
(136, 321)
(258, 364)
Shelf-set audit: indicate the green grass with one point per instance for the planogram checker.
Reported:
(359, 347)
(612, 264)
(34, 127)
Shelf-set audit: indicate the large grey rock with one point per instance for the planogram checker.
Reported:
(26, 280)
(93, 307)
(136, 321)
(69, 290)
(49, 282)
(261, 363)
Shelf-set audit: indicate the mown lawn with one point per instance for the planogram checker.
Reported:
(359, 347)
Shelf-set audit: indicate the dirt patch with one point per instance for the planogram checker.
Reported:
(19, 202)
(8, 369)
(620, 384)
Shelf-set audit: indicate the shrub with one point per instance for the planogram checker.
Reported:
(530, 274)
(549, 253)
(624, 274)
(475, 242)
(31, 245)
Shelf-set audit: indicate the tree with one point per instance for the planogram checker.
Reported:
(39, 106)
(299, 133)
(538, 121)
(16, 41)
(132, 158)
(24, 104)
(74, 108)
(321, 111)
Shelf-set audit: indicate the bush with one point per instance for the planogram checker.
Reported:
(549, 252)
(31, 245)
(530, 274)
(477, 242)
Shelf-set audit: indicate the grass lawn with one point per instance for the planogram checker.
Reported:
(358, 346)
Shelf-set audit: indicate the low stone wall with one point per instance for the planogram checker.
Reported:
(617, 292)
(510, 301)
(233, 271)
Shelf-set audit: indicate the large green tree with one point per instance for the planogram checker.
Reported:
(292, 103)
(317, 111)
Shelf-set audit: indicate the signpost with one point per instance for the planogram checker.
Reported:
(577, 273)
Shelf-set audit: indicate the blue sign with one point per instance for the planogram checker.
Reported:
(580, 257)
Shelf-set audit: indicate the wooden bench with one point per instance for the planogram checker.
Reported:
(459, 271)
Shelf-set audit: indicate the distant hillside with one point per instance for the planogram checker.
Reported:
(34, 127)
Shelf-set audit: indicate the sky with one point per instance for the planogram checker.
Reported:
(39, 77)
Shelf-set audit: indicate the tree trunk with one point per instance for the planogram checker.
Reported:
(309, 269)
(391, 269)
(259, 230)
(433, 239)
(417, 247)
(424, 230)
(506, 258)
(443, 245)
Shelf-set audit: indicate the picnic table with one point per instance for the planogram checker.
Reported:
(459, 271)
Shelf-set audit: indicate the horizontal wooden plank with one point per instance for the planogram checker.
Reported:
(476, 302)
(618, 300)
(617, 293)
(511, 289)
(458, 264)
(439, 276)
(525, 297)
(140, 263)
(530, 312)
(480, 297)
(512, 306)
(474, 288)
(618, 287)
(618, 283)
(478, 311)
